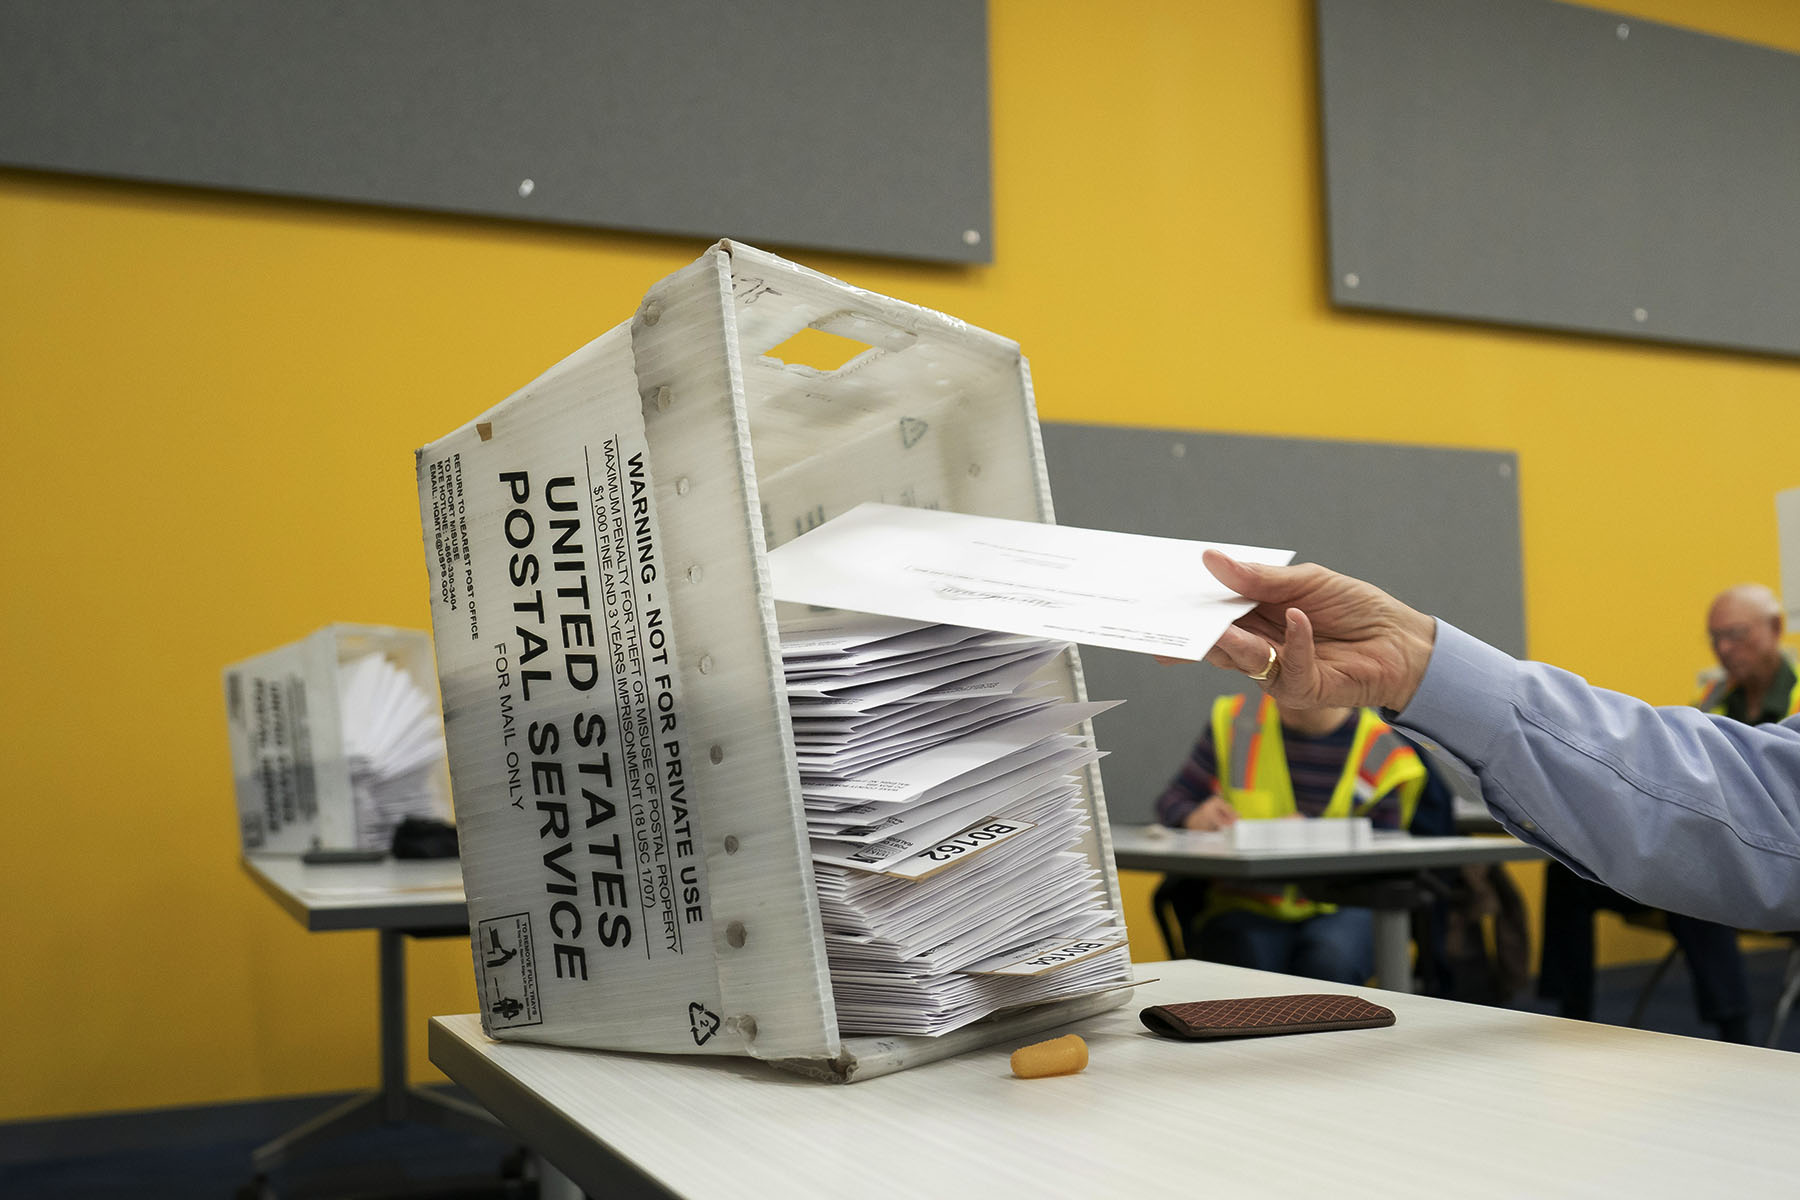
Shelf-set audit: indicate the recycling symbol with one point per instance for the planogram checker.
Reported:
(703, 1024)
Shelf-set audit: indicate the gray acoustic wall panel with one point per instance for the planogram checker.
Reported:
(1544, 164)
(849, 125)
(1437, 528)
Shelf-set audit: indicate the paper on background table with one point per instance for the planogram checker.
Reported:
(1290, 834)
(1126, 591)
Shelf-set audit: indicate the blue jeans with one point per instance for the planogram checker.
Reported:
(1337, 947)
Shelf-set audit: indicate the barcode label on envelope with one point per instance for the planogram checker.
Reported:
(1045, 957)
(961, 848)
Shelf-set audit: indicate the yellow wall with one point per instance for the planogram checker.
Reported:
(211, 403)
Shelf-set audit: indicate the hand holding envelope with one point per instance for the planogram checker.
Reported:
(942, 812)
(1126, 591)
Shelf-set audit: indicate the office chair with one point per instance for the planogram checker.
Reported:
(1176, 902)
(1790, 991)
(1653, 919)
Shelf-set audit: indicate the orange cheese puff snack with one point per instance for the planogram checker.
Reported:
(1058, 1056)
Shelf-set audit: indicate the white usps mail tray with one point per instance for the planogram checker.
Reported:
(284, 712)
(634, 845)
(1301, 833)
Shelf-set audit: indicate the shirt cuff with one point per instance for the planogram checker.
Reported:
(1466, 697)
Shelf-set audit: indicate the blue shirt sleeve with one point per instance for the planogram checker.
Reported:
(1671, 806)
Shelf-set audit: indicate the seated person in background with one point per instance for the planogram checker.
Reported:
(1757, 686)
(1255, 763)
(1566, 974)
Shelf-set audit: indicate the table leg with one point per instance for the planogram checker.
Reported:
(554, 1185)
(395, 1101)
(356, 1113)
(448, 1112)
(400, 1101)
(1393, 949)
(393, 1024)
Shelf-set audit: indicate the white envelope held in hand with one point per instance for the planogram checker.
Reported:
(1122, 590)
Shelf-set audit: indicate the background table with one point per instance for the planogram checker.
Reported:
(1453, 1100)
(1208, 856)
(397, 899)
(1472, 816)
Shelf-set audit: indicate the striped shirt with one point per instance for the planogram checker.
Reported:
(1315, 764)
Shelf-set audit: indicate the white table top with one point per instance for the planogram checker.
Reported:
(1156, 848)
(1452, 1100)
(415, 894)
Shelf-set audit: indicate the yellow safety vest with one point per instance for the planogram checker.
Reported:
(1714, 700)
(1253, 777)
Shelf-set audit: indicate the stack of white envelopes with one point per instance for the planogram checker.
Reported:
(393, 746)
(944, 823)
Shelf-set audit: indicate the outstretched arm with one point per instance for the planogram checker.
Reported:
(1688, 812)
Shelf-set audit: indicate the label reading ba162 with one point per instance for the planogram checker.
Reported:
(960, 848)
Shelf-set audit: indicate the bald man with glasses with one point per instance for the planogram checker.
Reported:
(1759, 685)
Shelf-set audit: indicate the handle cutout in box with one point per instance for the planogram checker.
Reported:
(835, 341)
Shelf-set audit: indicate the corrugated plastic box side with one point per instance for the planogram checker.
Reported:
(667, 456)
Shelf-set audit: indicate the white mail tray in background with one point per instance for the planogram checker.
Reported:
(335, 738)
(1301, 833)
(633, 838)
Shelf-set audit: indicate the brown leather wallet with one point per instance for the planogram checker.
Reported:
(1263, 1016)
